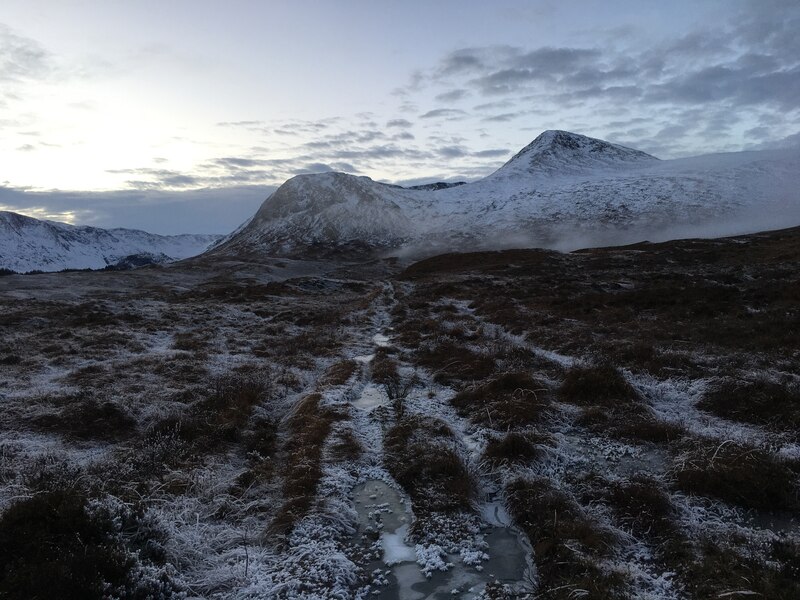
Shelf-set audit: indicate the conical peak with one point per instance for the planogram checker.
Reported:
(556, 150)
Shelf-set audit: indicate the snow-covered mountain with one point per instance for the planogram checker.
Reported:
(559, 191)
(28, 244)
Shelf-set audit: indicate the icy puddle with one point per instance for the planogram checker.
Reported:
(397, 576)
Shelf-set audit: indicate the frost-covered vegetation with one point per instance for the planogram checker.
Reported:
(613, 423)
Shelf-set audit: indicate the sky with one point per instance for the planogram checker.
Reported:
(182, 116)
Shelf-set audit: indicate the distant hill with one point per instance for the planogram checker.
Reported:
(28, 244)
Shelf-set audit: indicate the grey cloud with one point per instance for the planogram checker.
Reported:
(216, 173)
(725, 83)
(312, 168)
(499, 104)
(383, 151)
(554, 61)
(346, 167)
(453, 95)
(502, 118)
(398, 123)
(324, 168)
(26, 148)
(403, 135)
(346, 138)
(20, 57)
(236, 162)
(746, 68)
(452, 151)
(494, 153)
(444, 113)
(464, 60)
(506, 81)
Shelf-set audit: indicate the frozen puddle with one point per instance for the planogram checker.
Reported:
(372, 397)
(384, 517)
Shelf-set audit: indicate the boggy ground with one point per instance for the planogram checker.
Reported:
(197, 430)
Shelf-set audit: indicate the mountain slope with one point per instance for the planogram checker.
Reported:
(28, 244)
(562, 190)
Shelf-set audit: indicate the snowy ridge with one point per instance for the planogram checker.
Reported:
(561, 188)
(28, 244)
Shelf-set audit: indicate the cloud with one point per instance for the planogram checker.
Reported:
(724, 79)
(237, 162)
(492, 153)
(444, 113)
(399, 123)
(452, 151)
(21, 58)
(240, 124)
(502, 118)
(324, 168)
(403, 135)
(453, 95)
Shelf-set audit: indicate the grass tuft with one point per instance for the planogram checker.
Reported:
(509, 400)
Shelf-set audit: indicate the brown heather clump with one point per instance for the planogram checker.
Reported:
(758, 402)
(721, 570)
(452, 362)
(516, 448)
(508, 400)
(746, 476)
(564, 538)
(308, 429)
(601, 385)
(339, 372)
(644, 507)
(87, 417)
(420, 456)
(384, 368)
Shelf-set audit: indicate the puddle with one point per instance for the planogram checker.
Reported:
(396, 574)
(371, 397)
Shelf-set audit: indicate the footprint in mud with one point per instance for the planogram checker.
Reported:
(396, 574)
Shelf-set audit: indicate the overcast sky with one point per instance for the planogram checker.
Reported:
(181, 116)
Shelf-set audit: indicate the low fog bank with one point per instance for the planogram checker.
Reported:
(567, 237)
(752, 219)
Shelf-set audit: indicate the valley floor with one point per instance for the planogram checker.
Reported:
(609, 423)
